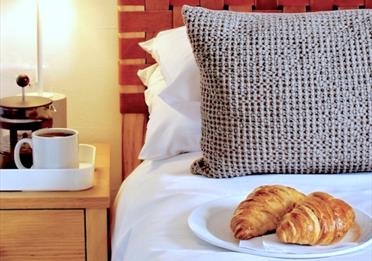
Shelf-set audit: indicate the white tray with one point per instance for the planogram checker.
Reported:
(52, 179)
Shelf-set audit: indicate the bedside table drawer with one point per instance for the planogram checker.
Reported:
(42, 235)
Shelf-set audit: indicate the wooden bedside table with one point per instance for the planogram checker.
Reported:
(58, 225)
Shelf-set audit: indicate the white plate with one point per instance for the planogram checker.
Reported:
(211, 223)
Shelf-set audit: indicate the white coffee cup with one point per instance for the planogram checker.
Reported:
(52, 148)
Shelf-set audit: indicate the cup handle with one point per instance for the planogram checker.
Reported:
(17, 149)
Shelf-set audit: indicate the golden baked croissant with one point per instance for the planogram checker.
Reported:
(318, 219)
(262, 210)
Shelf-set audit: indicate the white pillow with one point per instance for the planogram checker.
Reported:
(172, 51)
(154, 80)
(168, 131)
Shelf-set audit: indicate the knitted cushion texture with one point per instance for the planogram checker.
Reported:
(283, 93)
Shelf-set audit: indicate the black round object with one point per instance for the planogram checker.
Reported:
(23, 80)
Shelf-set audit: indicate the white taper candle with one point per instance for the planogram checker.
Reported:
(39, 44)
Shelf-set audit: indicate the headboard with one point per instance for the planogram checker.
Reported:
(142, 19)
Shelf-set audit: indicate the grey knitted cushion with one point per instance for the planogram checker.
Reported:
(283, 93)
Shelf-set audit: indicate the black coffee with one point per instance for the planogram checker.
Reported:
(55, 134)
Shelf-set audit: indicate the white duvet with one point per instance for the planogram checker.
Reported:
(151, 210)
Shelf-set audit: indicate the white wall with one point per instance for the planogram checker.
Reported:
(80, 61)
(17, 43)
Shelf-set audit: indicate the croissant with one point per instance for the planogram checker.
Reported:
(262, 210)
(318, 219)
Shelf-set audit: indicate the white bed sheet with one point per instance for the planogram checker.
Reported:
(153, 204)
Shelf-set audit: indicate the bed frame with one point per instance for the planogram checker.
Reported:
(142, 19)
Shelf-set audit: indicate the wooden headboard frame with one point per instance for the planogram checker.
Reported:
(142, 19)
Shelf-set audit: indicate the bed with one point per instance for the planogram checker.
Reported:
(158, 193)
(155, 201)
